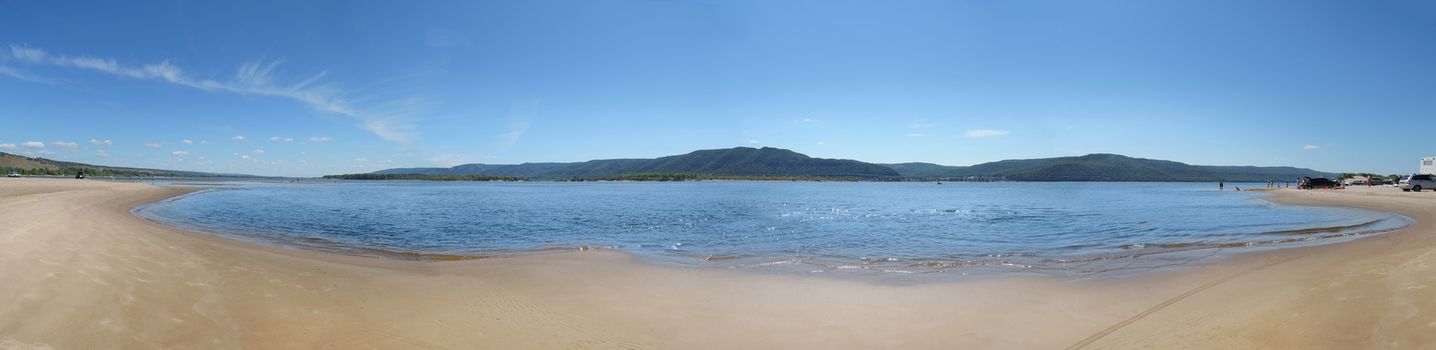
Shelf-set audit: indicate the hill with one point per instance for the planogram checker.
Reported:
(740, 161)
(40, 166)
(1103, 167)
(774, 162)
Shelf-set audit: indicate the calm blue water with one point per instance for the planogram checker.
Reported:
(867, 227)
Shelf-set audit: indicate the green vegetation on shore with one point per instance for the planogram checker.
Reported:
(423, 177)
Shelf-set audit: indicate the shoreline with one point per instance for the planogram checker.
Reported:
(86, 273)
(1132, 260)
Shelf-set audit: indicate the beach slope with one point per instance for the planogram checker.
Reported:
(78, 271)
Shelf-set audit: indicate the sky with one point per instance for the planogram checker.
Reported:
(302, 88)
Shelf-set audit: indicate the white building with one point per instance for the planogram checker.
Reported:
(1428, 165)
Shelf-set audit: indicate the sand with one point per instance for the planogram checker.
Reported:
(78, 271)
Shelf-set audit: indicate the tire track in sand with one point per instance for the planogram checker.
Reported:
(1114, 328)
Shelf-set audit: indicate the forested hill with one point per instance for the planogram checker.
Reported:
(1103, 167)
(740, 161)
(774, 162)
(12, 163)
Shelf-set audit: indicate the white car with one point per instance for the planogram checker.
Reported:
(1417, 182)
(13, 175)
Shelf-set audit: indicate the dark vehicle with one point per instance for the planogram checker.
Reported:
(1308, 183)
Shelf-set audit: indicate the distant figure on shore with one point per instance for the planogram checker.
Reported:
(79, 175)
(1221, 185)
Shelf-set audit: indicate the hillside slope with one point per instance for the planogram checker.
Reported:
(41, 166)
(740, 161)
(1104, 167)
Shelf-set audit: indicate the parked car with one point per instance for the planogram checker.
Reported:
(1417, 182)
(1308, 183)
(13, 175)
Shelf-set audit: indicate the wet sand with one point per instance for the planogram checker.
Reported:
(78, 271)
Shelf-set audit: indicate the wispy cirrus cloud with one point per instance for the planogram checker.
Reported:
(23, 75)
(9, 146)
(317, 139)
(100, 142)
(520, 118)
(33, 144)
(1310, 147)
(986, 133)
(255, 78)
(239, 138)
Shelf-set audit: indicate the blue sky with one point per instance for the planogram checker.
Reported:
(309, 88)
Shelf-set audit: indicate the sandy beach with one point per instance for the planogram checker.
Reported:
(79, 271)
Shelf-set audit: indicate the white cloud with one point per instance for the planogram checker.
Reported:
(187, 142)
(238, 138)
(23, 75)
(102, 154)
(180, 154)
(520, 117)
(258, 151)
(1310, 147)
(67, 145)
(320, 139)
(285, 139)
(33, 144)
(512, 137)
(986, 133)
(154, 144)
(753, 142)
(27, 54)
(100, 142)
(820, 143)
(254, 78)
(245, 157)
(8, 146)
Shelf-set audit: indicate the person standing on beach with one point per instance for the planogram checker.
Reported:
(1221, 185)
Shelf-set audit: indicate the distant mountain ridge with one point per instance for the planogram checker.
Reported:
(740, 161)
(42, 166)
(1104, 167)
(775, 162)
